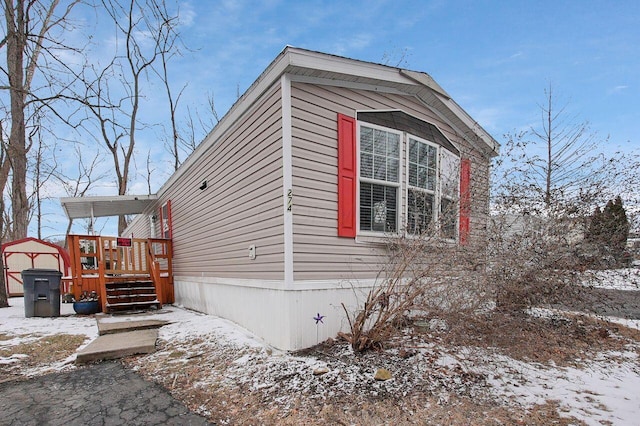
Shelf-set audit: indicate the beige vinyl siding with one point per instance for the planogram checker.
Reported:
(241, 206)
(140, 227)
(318, 252)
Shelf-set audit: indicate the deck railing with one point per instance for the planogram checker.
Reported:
(98, 260)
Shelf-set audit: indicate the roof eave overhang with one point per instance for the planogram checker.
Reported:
(487, 143)
(300, 62)
(410, 82)
(92, 207)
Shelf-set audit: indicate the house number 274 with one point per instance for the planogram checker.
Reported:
(289, 199)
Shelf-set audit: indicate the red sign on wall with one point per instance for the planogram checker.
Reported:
(123, 242)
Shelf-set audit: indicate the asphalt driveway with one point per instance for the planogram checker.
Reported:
(99, 394)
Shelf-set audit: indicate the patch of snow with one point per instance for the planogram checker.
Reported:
(626, 322)
(14, 323)
(559, 315)
(602, 392)
(187, 325)
(243, 360)
(12, 359)
(616, 279)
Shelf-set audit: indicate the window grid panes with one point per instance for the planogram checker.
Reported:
(379, 155)
(419, 211)
(378, 207)
(422, 176)
(428, 192)
(379, 164)
(423, 165)
(448, 218)
(449, 180)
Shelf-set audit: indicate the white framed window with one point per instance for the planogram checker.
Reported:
(428, 189)
(449, 179)
(379, 179)
(422, 172)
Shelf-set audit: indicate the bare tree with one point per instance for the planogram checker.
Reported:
(5, 168)
(115, 95)
(41, 174)
(560, 166)
(29, 35)
(169, 41)
(85, 178)
(150, 171)
(548, 182)
(4, 176)
(198, 124)
(398, 57)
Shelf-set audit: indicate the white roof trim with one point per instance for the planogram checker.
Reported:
(89, 207)
(295, 60)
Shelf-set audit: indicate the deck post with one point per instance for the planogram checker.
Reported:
(102, 282)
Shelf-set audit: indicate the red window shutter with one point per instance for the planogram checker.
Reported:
(465, 199)
(346, 176)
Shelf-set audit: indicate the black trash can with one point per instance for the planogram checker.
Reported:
(41, 292)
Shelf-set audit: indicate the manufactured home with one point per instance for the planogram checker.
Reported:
(283, 211)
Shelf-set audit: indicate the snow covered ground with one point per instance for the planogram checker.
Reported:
(617, 279)
(601, 390)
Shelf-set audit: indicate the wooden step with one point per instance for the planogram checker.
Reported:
(120, 305)
(125, 295)
(132, 306)
(129, 296)
(129, 284)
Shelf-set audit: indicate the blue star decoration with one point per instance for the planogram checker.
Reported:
(319, 318)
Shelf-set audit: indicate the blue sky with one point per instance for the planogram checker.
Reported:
(495, 58)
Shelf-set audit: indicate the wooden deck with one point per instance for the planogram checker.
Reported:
(126, 273)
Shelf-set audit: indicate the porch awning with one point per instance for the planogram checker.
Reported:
(90, 207)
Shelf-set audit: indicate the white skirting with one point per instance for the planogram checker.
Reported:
(284, 318)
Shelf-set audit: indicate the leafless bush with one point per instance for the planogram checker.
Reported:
(534, 260)
(547, 183)
(534, 251)
(425, 276)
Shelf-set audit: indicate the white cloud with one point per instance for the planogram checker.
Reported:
(186, 14)
(356, 42)
(617, 89)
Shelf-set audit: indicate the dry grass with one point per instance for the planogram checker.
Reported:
(268, 388)
(5, 337)
(561, 340)
(414, 410)
(36, 351)
(240, 405)
(267, 391)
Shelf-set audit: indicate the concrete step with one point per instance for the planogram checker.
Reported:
(121, 337)
(118, 345)
(105, 327)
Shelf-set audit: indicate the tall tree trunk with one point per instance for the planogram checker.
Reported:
(549, 141)
(17, 153)
(4, 301)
